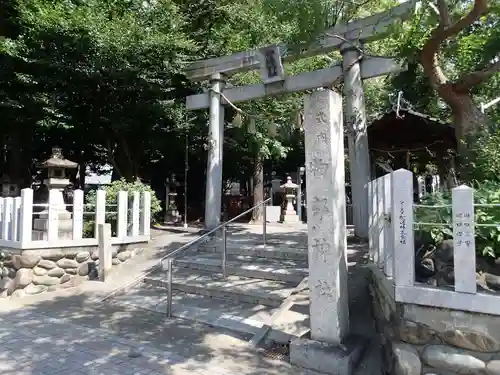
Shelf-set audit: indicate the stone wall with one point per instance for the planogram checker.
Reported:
(40, 270)
(420, 340)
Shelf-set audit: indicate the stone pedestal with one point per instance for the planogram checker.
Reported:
(290, 215)
(173, 215)
(330, 350)
(64, 222)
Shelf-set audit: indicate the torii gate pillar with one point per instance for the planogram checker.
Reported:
(357, 136)
(213, 193)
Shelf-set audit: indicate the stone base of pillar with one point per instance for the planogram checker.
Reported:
(328, 358)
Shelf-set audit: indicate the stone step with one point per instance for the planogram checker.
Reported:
(237, 288)
(226, 314)
(259, 268)
(268, 251)
(220, 313)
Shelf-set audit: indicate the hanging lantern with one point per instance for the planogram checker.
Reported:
(237, 121)
(251, 126)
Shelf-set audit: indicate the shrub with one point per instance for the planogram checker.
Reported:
(487, 238)
(112, 191)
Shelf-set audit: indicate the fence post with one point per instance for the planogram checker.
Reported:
(402, 227)
(105, 253)
(136, 197)
(78, 214)
(7, 218)
(372, 217)
(146, 214)
(121, 223)
(387, 243)
(2, 201)
(53, 219)
(100, 210)
(464, 244)
(26, 217)
(15, 218)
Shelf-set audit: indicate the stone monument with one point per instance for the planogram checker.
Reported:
(289, 214)
(56, 183)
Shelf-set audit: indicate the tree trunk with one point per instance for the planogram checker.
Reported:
(470, 124)
(258, 190)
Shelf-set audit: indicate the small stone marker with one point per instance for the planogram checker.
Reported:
(326, 213)
(464, 247)
(105, 254)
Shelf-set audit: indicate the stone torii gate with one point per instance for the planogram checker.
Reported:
(331, 349)
(352, 71)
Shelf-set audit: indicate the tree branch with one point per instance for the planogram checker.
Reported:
(467, 81)
(429, 53)
(444, 15)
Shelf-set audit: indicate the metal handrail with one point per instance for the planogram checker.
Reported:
(170, 257)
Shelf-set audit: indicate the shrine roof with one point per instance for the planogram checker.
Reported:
(411, 131)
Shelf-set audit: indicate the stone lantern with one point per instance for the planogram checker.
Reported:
(290, 215)
(56, 181)
(7, 188)
(172, 214)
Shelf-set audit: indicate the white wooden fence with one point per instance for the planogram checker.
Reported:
(392, 247)
(17, 217)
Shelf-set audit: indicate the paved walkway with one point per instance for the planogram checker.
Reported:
(69, 332)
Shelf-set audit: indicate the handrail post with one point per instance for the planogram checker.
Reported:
(264, 224)
(169, 286)
(224, 251)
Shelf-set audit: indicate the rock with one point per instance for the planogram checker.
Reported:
(493, 367)
(56, 272)
(95, 255)
(39, 271)
(83, 270)
(406, 360)
(12, 273)
(414, 333)
(134, 352)
(82, 256)
(24, 277)
(65, 278)
(50, 254)
(35, 289)
(4, 294)
(493, 281)
(72, 271)
(25, 261)
(4, 283)
(47, 264)
(19, 293)
(447, 358)
(115, 261)
(468, 339)
(123, 256)
(45, 280)
(67, 263)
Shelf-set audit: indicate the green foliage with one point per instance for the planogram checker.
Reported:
(112, 191)
(115, 187)
(487, 237)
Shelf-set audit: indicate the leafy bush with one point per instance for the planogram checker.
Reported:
(112, 191)
(487, 238)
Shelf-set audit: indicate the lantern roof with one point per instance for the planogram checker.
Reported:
(57, 160)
